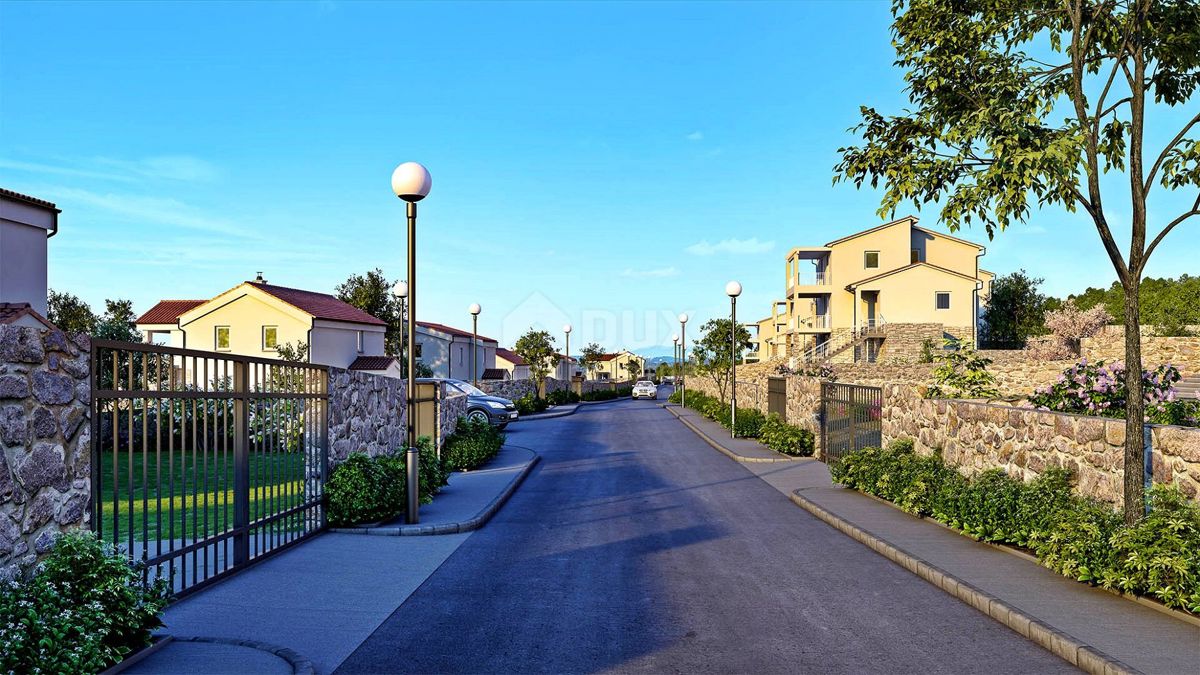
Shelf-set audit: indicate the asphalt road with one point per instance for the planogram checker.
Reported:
(634, 546)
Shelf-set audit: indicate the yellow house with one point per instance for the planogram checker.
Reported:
(898, 281)
(254, 318)
(615, 366)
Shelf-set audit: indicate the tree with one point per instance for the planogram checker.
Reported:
(663, 370)
(293, 352)
(1015, 311)
(372, 293)
(70, 313)
(1172, 306)
(633, 367)
(994, 128)
(537, 348)
(714, 352)
(117, 322)
(589, 358)
(1069, 325)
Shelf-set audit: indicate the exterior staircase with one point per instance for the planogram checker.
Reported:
(825, 351)
(1188, 387)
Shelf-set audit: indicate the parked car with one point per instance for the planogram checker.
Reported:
(645, 389)
(481, 406)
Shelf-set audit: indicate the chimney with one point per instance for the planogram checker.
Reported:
(259, 279)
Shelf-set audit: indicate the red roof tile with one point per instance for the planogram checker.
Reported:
(33, 201)
(451, 330)
(510, 356)
(372, 363)
(320, 305)
(11, 311)
(168, 311)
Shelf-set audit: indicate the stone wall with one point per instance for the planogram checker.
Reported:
(1109, 345)
(510, 389)
(976, 436)
(904, 341)
(450, 408)
(45, 439)
(366, 414)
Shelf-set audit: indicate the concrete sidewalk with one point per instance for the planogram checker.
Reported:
(740, 449)
(306, 609)
(1098, 631)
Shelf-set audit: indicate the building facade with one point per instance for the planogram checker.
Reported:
(447, 351)
(26, 225)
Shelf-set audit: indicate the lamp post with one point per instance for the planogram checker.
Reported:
(675, 359)
(474, 309)
(400, 290)
(411, 182)
(733, 289)
(683, 357)
(567, 332)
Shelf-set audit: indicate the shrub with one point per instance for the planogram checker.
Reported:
(82, 610)
(962, 373)
(530, 404)
(359, 490)
(471, 444)
(1099, 389)
(607, 394)
(562, 397)
(1075, 536)
(785, 438)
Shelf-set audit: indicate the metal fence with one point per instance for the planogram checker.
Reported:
(851, 419)
(777, 396)
(203, 462)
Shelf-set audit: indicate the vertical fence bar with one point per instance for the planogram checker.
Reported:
(241, 465)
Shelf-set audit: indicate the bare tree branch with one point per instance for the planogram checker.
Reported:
(1162, 157)
(1195, 211)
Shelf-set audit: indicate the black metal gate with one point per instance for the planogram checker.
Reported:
(851, 419)
(203, 462)
(777, 396)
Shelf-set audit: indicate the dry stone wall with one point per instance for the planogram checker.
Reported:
(450, 408)
(1109, 345)
(510, 389)
(45, 441)
(367, 414)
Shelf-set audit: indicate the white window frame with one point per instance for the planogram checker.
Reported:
(217, 339)
(936, 294)
(265, 346)
(359, 341)
(870, 267)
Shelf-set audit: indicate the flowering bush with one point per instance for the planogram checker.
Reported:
(822, 371)
(1099, 389)
(1068, 325)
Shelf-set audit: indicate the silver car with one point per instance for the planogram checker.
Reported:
(645, 389)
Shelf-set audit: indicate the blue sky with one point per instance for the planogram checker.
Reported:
(607, 164)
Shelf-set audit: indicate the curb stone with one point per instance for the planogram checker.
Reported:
(551, 415)
(474, 523)
(732, 455)
(300, 665)
(1071, 650)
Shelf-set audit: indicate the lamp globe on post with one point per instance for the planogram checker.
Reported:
(683, 319)
(675, 358)
(733, 289)
(567, 333)
(474, 309)
(411, 182)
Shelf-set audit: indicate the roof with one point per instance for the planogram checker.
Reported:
(168, 311)
(11, 311)
(610, 357)
(372, 363)
(510, 356)
(32, 201)
(562, 357)
(946, 236)
(451, 330)
(494, 374)
(319, 305)
(873, 229)
(898, 270)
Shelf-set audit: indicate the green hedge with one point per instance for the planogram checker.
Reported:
(530, 404)
(82, 610)
(1080, 538)
(366, 489)
(607, 394)
(562, 397)
(472, 444)
(770, 430)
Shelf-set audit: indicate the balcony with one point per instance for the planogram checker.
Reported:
(812, 324)
(810, 282)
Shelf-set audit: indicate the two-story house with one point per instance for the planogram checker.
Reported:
(845, 299)
(254, 318)
(447, 351)
(618, 366)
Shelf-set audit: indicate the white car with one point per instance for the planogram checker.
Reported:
(645, 389)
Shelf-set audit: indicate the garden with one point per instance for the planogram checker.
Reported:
(1157, 557)
(769, 429)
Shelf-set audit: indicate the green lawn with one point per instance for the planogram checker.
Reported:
(200, 501)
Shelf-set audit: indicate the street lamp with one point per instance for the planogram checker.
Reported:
(683, 357)
(474, 309)
(567, 331)
(400, 290)
(675, 358)
(733, 289)
(411, 182)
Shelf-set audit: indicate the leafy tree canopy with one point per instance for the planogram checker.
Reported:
(589, 357)
(714, 352)
(70, 313)
(537, 348)
(372, 293)
(1015, 311)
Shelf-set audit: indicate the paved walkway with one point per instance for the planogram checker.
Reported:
(1140, 637)
(635, 547)
(321, 599)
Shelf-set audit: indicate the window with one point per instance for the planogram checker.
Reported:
(359, 337)
(417, 353)
(942, 300)
(221, 340)
(871, 259)
(916, 256)
(270, 338)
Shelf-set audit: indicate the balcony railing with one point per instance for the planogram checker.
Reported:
(818, 322)
(812, 278)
